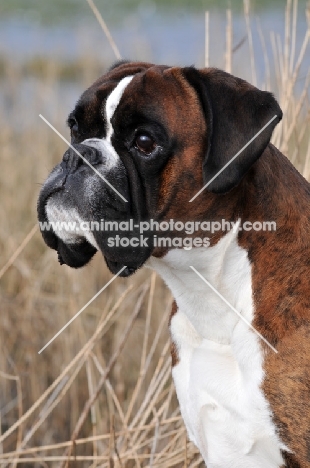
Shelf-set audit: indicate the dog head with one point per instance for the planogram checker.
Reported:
(145, 139)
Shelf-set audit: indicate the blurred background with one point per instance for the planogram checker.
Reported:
(50, 51)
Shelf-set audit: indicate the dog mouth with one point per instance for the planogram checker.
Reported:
(79, 254)
(74, 254)
(76, 250)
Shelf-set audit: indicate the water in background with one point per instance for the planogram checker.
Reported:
(163, 32)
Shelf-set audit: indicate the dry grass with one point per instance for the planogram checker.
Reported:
(101, 394)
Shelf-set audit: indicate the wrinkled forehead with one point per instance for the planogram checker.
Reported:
(148, 92)
(155, 94)
(105, 84)
(93, 99)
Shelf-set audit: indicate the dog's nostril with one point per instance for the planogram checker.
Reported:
(89, 155)
(93, 157)
(79, 155)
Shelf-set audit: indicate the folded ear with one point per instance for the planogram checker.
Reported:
(235, 112)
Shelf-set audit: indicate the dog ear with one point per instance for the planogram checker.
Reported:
(235, 112)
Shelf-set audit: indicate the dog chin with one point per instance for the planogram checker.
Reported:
(115, 267)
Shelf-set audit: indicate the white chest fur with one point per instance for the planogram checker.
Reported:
(220, 370)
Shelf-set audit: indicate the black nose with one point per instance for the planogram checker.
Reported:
(80, 154)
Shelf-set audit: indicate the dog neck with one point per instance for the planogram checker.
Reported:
(226, 268)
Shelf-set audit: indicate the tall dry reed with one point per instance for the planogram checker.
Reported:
(101, 394)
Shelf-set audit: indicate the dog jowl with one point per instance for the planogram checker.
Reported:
(150, 138)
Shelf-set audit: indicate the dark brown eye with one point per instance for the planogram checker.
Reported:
(145, 143)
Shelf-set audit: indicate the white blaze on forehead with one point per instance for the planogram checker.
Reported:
(113, 101)
(104, 145)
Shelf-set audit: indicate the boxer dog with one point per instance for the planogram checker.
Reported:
(157, 135)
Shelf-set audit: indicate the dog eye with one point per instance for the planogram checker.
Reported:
(145, 143)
